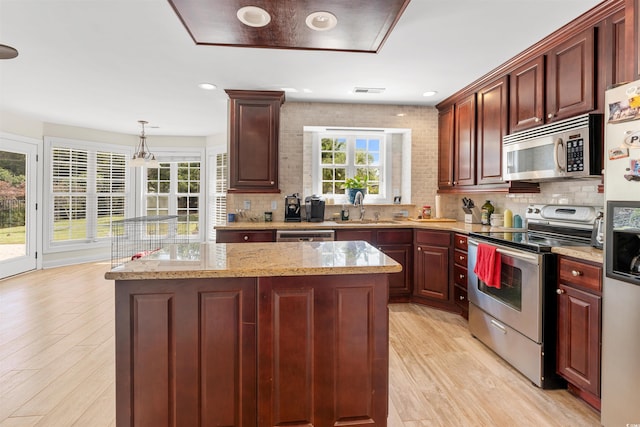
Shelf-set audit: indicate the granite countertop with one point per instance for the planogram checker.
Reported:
(435, 224)
(587, 253)
(208, 260)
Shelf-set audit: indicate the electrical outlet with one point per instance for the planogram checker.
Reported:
(274, 205)
(247, 205)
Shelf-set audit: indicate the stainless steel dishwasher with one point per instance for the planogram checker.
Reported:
(304, 235)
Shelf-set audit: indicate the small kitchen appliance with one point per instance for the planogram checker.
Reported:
(597, 234)
(314, 208)
(292, 208)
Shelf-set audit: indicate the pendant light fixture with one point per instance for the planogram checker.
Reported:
(143, 156)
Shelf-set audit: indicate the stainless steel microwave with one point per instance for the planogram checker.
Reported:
(570, 148)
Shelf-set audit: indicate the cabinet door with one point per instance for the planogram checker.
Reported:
(445, 147)
(323, 347)
(493, 105)
(464, 169)
(400, 283)
(579, 338)
(432, 272)
(570, 78)
(526, 93)
(613, 63)
(186, 352)
(253, 140)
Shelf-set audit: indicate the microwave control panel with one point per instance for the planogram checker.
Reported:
(575, 155)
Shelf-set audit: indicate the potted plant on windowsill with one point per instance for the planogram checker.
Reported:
(353, 185)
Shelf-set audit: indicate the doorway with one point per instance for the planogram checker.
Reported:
(18, 222)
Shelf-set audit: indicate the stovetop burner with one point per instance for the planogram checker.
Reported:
(548, 226)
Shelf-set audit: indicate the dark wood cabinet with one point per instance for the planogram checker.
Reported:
(493, 113)
(460, 274)
(613, 62)
(526, 93)
(323, 351)
(186, 352)
(579, 327)
(395, 243)
(464, 152)
(570, 77)
(432, 282)
(254, 129)
(445, 147)
(244, 236)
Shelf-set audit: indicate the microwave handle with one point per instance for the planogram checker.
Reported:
(556, 158)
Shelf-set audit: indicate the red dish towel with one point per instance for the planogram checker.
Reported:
(488, 264)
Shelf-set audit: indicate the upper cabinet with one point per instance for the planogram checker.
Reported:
(526, 105)
(253, 140)
(570, 77)
(493, 115)
(562, 76)
(464, 151)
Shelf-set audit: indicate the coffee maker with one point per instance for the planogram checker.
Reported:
(292, 208)
(314, 208)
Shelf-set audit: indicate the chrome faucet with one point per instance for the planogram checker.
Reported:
(358, 200)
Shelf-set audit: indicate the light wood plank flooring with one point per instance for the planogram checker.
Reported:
(57, 363)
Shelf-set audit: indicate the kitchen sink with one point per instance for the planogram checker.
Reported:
(372, 221)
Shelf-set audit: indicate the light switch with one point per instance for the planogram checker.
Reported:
(274, 205)
(247, 205)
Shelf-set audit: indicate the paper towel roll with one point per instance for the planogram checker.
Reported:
(438, 207)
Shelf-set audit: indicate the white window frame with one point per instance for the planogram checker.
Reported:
(385, 196)
(218, 165)
(174, 157)
(92, 148)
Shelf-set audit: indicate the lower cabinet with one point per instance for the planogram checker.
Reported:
(460, 274)
(395, 243)
(433, 269)
(579, 327)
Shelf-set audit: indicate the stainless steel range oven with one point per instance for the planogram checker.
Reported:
(515, 316)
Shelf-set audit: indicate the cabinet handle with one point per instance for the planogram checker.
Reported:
(461, 297)
(419, 248)
(559, 291)
(550, 116)
(461, 258)
(273, 182)
(576, 273)
(461, 276)
(537, 119)
(448, 182)
(245, 238)
(455, 182)
(461, 241)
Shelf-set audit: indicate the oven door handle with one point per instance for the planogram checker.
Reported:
(518, 255)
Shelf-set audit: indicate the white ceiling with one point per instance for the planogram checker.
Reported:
(105, 64)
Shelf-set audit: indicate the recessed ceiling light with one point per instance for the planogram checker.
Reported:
(253, 16)
(429, 93)
(207, 86)
(321, 21)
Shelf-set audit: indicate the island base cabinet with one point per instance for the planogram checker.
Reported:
(323, 351)
(186, 352)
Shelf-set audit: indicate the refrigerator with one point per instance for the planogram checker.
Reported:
(620, 382)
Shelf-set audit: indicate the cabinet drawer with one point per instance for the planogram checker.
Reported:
(460, 242)
(460, 275)
(366, 235)
(227, 236)
(460, 297)
(438, 238)
(588, 276)
(386, 237)
(460, 258)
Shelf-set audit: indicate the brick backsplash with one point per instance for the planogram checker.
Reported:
(295, 175)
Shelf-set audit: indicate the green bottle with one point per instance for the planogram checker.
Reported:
(487, 210)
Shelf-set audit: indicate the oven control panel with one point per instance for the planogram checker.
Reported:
(575, 155)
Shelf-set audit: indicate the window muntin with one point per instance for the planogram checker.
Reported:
(344, 155)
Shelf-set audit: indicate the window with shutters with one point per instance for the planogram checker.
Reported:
(87, 191)
(218, 172)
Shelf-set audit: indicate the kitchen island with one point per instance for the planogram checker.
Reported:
(244, 335)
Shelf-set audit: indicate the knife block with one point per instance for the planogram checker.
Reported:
(473, 217)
